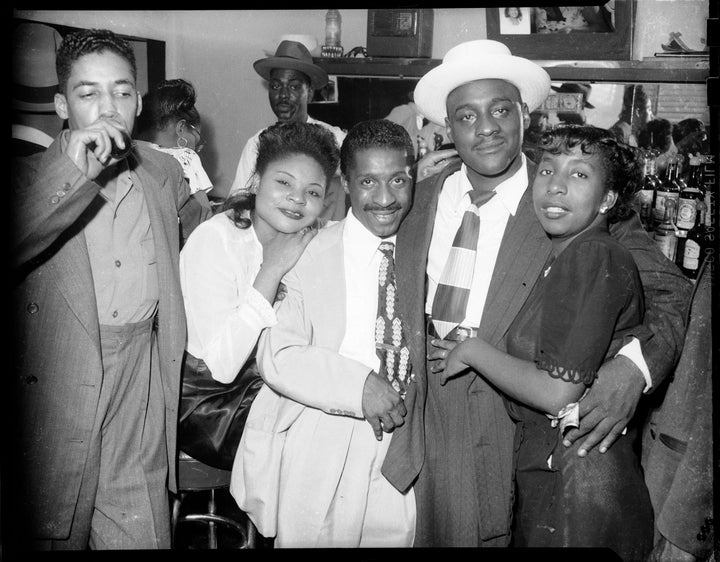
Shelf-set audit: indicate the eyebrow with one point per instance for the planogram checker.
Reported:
(121, 82)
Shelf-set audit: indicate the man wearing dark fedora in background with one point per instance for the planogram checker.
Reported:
(292, 78)
(34, 121)
(456, 446)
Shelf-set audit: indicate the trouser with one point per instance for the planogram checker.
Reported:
(123, 501)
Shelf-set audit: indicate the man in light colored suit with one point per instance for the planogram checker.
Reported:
(456, 447)
(308, 466)
(99, 320)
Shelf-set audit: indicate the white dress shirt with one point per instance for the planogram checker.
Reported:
(225, 313)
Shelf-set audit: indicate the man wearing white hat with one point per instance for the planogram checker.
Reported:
(292, 78)
(34, 121)
(456, 447)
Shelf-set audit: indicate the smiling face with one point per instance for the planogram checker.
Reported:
(486, 120)
(289, 195)
(380, 186)
(568, 194)
(289, 93)
(99, 85)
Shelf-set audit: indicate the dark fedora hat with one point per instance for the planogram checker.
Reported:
(575, 88)
(295, 56)
(35, 81)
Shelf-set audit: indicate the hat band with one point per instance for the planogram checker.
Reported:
(33, 94)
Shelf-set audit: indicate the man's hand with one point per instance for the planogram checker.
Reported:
(382, 406)
(608, 406)
(434, 162)
(89, 148)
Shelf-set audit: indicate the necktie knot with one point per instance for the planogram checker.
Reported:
(479, 198)
(387, 248)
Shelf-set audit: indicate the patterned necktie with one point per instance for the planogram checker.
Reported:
(453, 290)
(390, 343)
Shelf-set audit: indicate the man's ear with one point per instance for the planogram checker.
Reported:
(344, 183)
(61, 106)
(448, 130)
(139, 107)
(525, 116)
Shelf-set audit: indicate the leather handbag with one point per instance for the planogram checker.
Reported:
(212, 414)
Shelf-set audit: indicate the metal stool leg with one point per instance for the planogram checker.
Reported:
(212, 529)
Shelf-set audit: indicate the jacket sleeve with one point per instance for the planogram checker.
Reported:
(667, 295)
(49, 195)
(297, 366)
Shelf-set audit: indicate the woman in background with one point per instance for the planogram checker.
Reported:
(171, 123)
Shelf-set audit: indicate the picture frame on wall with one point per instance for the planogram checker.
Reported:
(328, 93)
(600, 31)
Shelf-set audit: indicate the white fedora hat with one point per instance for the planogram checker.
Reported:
(478, 60)
(35, 80)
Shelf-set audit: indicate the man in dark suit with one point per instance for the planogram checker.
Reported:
(98, 317)
(456, 447)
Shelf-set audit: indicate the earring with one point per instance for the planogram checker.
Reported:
(182, 142)
(603, 210)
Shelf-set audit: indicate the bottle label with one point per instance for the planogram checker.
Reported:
(667, 243)
(691, 255)
(659, 209)
(687, 210)
(645, 196)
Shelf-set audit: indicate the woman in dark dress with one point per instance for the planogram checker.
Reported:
(585, 306)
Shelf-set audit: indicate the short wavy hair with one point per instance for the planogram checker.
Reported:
(375, 133)
(170, 101)
(622, 162)
(284, 140)
(86, 42)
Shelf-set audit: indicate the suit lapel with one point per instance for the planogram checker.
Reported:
(523, 251)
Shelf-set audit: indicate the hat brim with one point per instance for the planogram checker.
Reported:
(433, 88)
(34, 99)
(318, 77)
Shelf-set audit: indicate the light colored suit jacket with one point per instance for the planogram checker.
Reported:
(56, 351)
(298, 358)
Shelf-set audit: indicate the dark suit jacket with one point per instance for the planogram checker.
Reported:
(480, 452)
(678, 438)
(56, 344)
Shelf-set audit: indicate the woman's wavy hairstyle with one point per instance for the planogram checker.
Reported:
(280, 141)
(621, 162)
(170, 101)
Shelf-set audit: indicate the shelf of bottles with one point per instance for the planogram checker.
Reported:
(677, 208)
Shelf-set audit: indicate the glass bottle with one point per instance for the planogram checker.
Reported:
(695, 245)
(690, 195)
(646, 195)
(333, 28)
(664, 234)
(669, 189)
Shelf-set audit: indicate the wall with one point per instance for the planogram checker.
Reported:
(215, 49)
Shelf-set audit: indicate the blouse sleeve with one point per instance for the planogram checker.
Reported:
(589, 289)
(225, 313)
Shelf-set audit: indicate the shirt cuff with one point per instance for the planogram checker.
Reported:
(261, 307)
(633, 352)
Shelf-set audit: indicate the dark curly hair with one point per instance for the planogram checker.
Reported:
(171, 100)
(375, 133)
(621, 162)
(656, 134)
(86, 42)
(284, 140)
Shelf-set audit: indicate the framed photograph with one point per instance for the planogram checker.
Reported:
(328, 93)
(600, 31)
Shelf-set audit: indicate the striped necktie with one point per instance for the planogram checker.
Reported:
(453, 290)
(390, 343)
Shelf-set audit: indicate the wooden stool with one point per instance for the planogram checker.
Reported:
(195, 476)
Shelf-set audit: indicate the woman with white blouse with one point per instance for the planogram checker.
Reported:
(231, 269)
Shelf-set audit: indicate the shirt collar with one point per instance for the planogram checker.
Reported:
(360, 241)
(509, 192)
